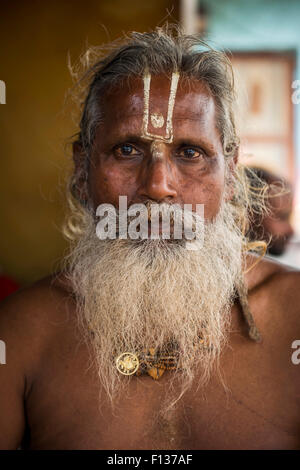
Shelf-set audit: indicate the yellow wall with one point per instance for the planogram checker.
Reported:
(35, 37)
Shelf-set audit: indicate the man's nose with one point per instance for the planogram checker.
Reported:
(158, 181)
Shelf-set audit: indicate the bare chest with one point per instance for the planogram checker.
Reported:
(257, 407)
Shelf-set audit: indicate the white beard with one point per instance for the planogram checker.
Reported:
(139, 295)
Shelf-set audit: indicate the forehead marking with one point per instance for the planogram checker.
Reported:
(157, 120)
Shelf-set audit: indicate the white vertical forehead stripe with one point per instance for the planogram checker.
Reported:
(169, 124)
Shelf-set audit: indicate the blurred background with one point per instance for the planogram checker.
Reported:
(36, 125)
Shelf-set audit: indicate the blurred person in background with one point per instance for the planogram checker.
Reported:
(275, 225)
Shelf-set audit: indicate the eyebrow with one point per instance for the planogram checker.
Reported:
(193, 117)
(133, 138)
(198, 142)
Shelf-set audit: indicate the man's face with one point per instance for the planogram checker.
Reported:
(189, 170)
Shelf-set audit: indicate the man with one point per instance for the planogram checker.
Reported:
(275, 226)
(153, 343)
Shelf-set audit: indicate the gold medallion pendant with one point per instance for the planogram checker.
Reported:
(127, 363)
(152, 362)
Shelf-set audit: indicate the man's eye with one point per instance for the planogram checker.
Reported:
(190, 153)
(126, 150)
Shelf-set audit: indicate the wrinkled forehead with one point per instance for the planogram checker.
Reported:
(159, 101)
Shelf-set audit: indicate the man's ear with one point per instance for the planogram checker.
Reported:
(79, 183)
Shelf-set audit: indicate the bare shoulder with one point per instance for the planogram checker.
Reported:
(274, 293)
(29, 318)
(269, 273)
(36, 302)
